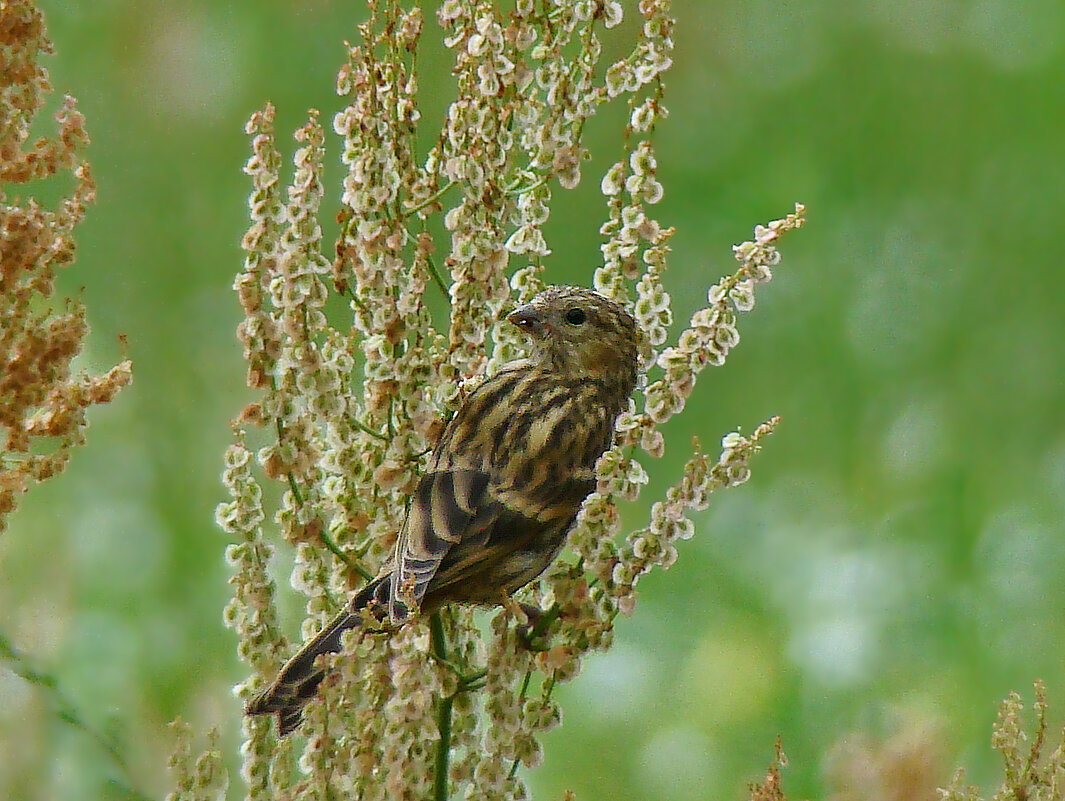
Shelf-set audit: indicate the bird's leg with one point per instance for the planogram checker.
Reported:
(531, 631)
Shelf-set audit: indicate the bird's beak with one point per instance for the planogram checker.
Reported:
(529, 318)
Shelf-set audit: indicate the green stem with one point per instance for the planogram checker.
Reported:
(443, 749)
(327, 541)
(549, 687)
(436, 633)
(351, 564)
(439, 193)
(525, 685)
(416, 456)
(517, 190)
(472, 681)
(292, 485)
(521, 700)
(66, 712)
(544, 623)
(367, 430)
(443, 714)
(437, 278)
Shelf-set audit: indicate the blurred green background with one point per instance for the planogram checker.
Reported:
(894, 566)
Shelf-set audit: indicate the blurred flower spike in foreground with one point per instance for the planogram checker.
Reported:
(350, 407)
(42, 400)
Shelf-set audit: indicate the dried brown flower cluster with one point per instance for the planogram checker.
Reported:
(42, 402)
(1030, 772)
(350, 410)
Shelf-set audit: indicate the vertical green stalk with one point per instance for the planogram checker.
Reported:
(443, 715)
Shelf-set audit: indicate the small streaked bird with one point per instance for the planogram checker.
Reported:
(504, 483)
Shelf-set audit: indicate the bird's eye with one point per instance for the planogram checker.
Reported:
(575, 316)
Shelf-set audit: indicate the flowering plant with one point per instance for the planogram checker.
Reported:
(351, 410)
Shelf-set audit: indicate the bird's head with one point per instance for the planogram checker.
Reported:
(578, 331)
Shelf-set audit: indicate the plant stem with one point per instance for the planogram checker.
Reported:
(66, 712)
(367, 430)
(334, 549)
(429, 200)
(543, 623)
(436, 633)
(443, 715)
(327, 541)
(443, 749)
(437, 278)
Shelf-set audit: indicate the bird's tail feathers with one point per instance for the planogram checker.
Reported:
(298, 680)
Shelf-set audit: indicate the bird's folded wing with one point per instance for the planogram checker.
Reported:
(446, 506)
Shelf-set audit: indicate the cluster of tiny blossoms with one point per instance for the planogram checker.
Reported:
(606, 585)
(350, 408)
(202, 778)
(42, 403)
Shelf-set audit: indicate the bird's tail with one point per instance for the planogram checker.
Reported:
(298, 680)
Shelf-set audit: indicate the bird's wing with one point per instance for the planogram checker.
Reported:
(446, 506)
(504, 473)
(453, 500)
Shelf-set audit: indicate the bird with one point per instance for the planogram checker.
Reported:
(503, 485)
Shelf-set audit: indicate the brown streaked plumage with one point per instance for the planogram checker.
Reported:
(503, 485)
